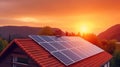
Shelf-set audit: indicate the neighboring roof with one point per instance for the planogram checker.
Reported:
(45, 59)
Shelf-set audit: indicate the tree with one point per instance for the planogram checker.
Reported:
(58, 33)
(66, 33)
(46, 31)
(91, 38)
(3, 44)
(115, 62)
(109, 45)
(78, 34)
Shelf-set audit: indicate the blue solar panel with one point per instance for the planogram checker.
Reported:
(57, 45)
(68, 50)
(57, 38)
(67, 61)
(77, 51)
(36, 38)
(65, 44)
(46, 38)
(48, 47)
(71, 55)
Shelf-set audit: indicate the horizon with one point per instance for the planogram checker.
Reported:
(55, 27)
(89, 16)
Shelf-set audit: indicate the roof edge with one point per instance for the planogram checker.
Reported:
(6, 48)
(9, 45)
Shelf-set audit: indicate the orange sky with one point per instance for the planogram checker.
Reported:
(68, 15)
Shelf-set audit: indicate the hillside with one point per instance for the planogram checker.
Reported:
(111, 33)
(7, 32)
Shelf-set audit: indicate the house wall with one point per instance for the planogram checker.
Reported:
(107, 64)
(15, 51)
(6, 62)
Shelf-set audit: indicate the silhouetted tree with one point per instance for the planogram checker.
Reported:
(46, 31)
(72, 34)
(78, 34)
(109, 45)
(67, 33)
(58, 33)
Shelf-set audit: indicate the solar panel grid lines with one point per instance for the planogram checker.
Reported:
(64, 57)
(71, 55)
(41, 38)
(98, 49)
(83, 52)
(68, 50)
(88, 49)
(48, 47)
(95, 50)
(35, 38)
(46, 38)
(57, 45)
(72, 59)
(57, 38)
(54, 49)
(67, 45)
(78, 52)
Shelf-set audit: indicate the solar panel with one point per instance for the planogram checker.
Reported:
(68, 50)
(66, 44)
(62, 58)
(47, 47)
(71, 55)
(46, 38)
(36, 38)
(57, 45)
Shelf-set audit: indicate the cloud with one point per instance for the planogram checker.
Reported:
(64, 14)
(13, 22)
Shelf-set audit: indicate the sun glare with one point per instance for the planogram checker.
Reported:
(84, 28)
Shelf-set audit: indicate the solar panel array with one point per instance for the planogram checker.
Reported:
(66, 49)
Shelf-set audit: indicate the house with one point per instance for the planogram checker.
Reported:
(27, 53)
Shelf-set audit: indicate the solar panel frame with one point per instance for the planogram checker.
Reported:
(57, 38)
(36, 38)
(46, 38)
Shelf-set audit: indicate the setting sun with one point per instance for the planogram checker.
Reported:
(84, 29)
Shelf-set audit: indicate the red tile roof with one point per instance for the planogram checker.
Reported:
(45, 59)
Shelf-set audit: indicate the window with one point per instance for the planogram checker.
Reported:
(107, 64)
(20, 61)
